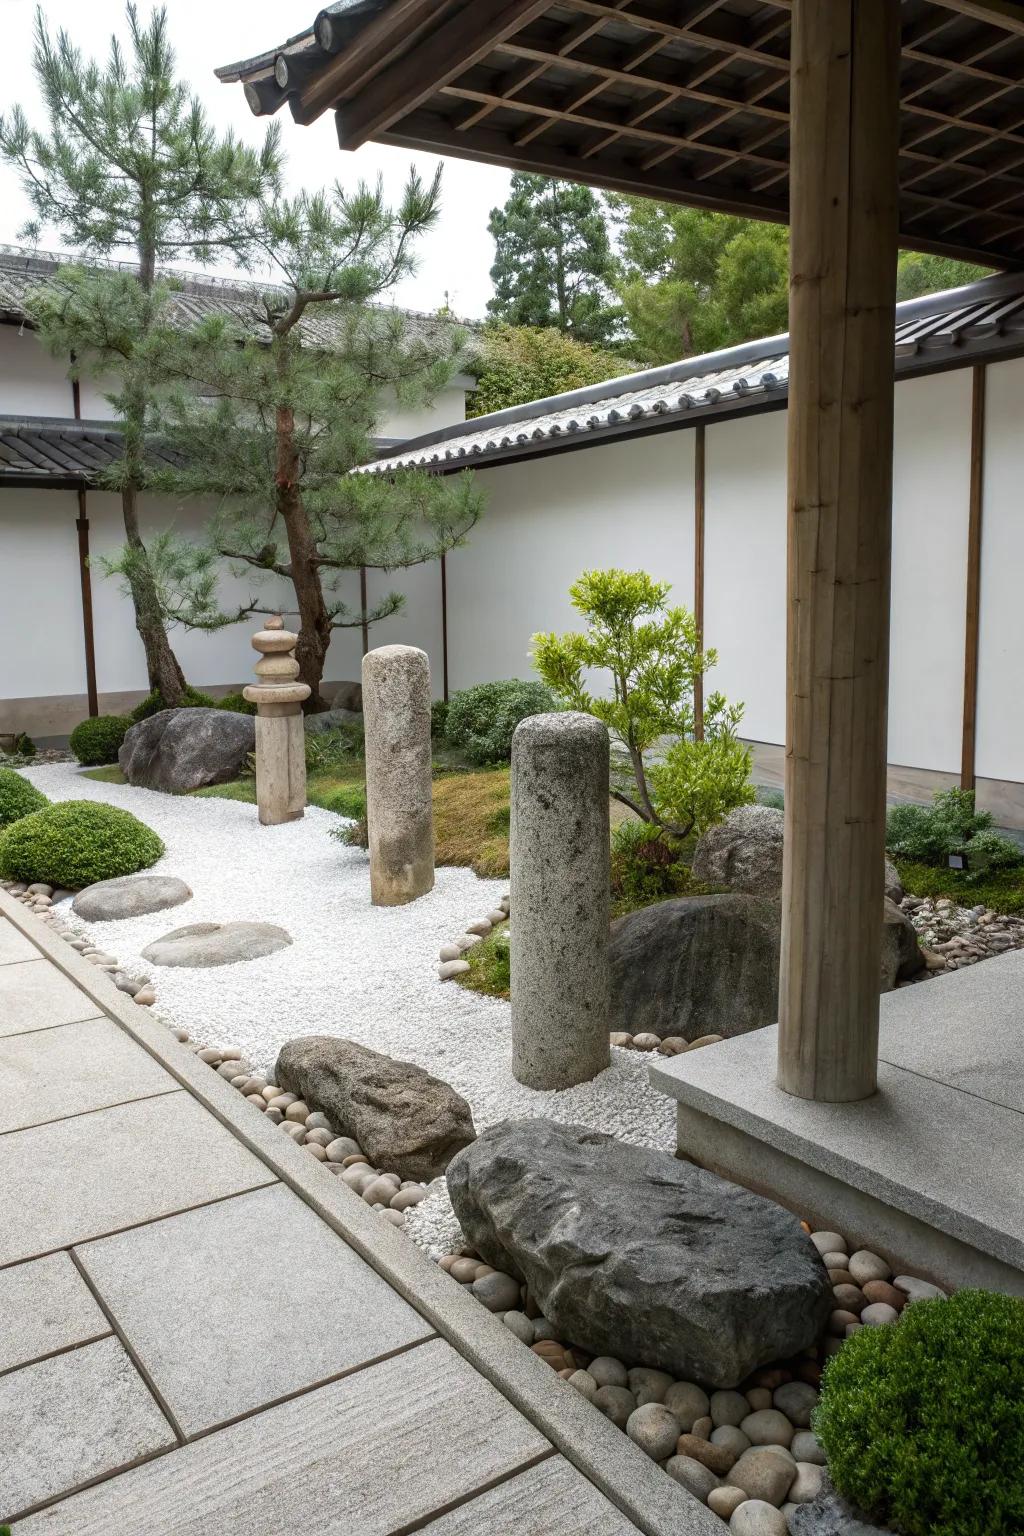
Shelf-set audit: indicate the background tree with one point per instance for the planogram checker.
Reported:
(553, 259)
(521, 363)
(919, 272)
(279, 403)
(129, 163)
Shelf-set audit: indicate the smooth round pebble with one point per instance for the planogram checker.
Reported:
(717, 1458)
(614, 1402)
(796, 1399)
(722, 1501)
(767, 1426)
(728, 1408)
(406, 1198)
(807, 1484)
(316, 1120)
(296, 1132)
(763, 1473)
(542, 1330)
(731, 1437)
(319, 1136)
(694, 1476)
(877, 1315)
(380, 1191)
(518, 1323)
(881, 1290)
(835, 1261)
(829, 1242)
(315, 1150)
(648, 1385)
(498, 1292)
(688, 1402)
(918, 1290)
(299, 1112)
(396, 1218)
(607, 1371)
(839, 1321)
(850, 1298)
(654, 1429)
(584, 1383)
(464, 1271)
(645, 1041)
(449, 952)
(702, 1427)
(757, 1518)
(806, 1448)
(865, 1265)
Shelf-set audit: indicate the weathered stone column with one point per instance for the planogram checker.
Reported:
(280, 737)
(399, 807)
(560, 900)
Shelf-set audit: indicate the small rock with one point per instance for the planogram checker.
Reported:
(654, 1430)
(315, 1150)
(807, 1484)
(881, 1290)
(318, 1121)
(835, 1261)
(796, 1399)
(918, 1290)
(519, 1324)
(145, 997)
(451, 968)
(543, 1329)
(865, 1265)
(396, 1218)
(648, 1386)
(298, 1112)
(728, 1408)
(758, 1518)
(449, 952)
(464, 1271)
(723, 1501)
(296, 1132)
(319, 1137)
(687, 1402)
(717, 1458)
(407, 1198)
(850, 1298)
(620, 1038)
(732, 1438)
(340, 1148)
(805, 1448)
(273, 1115)
(585, 1384)
(614, 1402)
(498, 1292)
(839, 1321)
(877, 1315)
(496, 917)
(764, 1474)
(828, 1242)
(758, 1398)
(38, 888)
(702, 1428)
(646, 1041)
(381, 1190)
(768, 1426)
(609, 1372)
(481, 926)
(694, 1476)
(128, 985)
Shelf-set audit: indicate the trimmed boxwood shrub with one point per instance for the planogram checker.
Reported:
(18, 797)
(481, 720)
(922, 1422)
(95, 742)
(237, 703)
(153, 703)
(75, 843)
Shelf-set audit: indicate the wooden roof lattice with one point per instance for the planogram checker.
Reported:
(684, 100)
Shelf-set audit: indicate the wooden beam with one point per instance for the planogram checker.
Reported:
(699, 490)
(456, 45)
(85, 578)
(444, 624)
(997, 13)
(845, 132)
(372, 49)
(973, 604)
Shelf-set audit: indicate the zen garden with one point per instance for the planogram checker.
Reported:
(449, 1096)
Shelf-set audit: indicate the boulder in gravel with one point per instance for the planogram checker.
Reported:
(631, 1253)
(182, 749)
(203, 945)
(348, 696)
(695, 965)
(901, 953)
(330, 720)
(404, 1119)
(129, 896)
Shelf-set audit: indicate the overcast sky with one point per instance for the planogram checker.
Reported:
(454, 260)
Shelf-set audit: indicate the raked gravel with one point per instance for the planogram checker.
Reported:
(365, 973)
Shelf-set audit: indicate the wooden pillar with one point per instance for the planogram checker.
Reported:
(843, 211)
(362, 608)
(699, 483)
(973, 607)
(444, 626)
(85, 578)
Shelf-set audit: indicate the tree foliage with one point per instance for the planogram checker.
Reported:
(523, 363)
(654, 655)
(919, 273)
(553, 259)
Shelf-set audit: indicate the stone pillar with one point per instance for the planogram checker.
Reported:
(399, 804)
(560, 845)
(280, 737)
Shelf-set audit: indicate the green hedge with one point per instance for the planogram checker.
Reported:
(98, 741)
(922, 1422)
(75, 843)
(18, 797)
(481, 720)
(153, 703)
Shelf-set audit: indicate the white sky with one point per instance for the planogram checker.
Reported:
(455, 259)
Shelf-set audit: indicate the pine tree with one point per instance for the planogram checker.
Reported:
(129, 163)
(278, 403)
(553, 259)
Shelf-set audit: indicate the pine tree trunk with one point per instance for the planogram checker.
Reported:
(161, 663)
(314, 619)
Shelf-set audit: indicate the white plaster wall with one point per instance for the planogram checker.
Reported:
(418, 621)
(405, 421)
(1000, 738)
(931, 490)
(547, 520)
(32, 382)
(40, 595)
(745, 568)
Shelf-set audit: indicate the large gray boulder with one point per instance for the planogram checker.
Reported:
(182, 749)
(129, 896)
(406, 1121)
(696, 965)
(635, 1254)
(331, 720)
(744, 852)
(902, 958)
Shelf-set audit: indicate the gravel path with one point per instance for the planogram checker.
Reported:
(366, 973)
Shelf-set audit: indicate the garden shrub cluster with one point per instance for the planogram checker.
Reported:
(96, 742)
(18, 797)
(237, 703)
(928, 834)
(153, 703)
(75, 843)
(438, 719)
(481, 720)
(647, 866)
(923, 1422)
(327, 751)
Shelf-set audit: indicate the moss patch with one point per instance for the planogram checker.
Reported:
(489, 967)
(471, 813)
(1003, 890)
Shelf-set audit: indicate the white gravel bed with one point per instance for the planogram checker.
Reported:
(365, 973)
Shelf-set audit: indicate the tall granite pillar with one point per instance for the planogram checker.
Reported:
(560, 900)
(399, 807)
(280, 736)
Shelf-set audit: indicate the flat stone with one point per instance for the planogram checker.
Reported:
(35, 995)
(129, 896)
(70, 1419)
(316, 1463)
(918, 1290)
(45, 1306)
(14, 945)
(313, 1319)
(77, 1179)
(203, 945)
(73, 1068)
(553, 1499)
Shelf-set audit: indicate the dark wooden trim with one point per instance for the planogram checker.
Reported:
(973, 603)
(362, 608)
(699, 491)
(82, 525)
(371, 50)
(76, 394)
(444, 623)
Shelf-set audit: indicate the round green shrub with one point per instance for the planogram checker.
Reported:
(18, 797)
(237, 703)
(481, 720)
(95, 742)
(438, 719)
(75, 843)
(153, 703)
(923, 1422)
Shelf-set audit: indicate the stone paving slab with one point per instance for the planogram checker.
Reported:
(75, 1417)
(36, 996)
(51, 1074)
(550, 1499)
(261, 1268)
(45, 1306)
(97, 1173)
(373, 1453)
(14, 945)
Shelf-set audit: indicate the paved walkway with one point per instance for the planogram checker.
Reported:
(192, 1339)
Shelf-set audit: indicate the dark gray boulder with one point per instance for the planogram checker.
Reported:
(348, 696)
(182, 749)
(129, 896)
(330, 720)
(696, 965)
(744, 852)
(405, 1120)
(830, 1515)
(635, 1254)
(902, 959)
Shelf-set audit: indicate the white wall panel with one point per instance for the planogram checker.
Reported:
(1000, 740)
(32, 383)
(40, 595)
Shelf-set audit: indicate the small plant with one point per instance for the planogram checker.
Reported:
(98, 741)
(24, 746)
(237, 704)
(153, 703)
(923, 1422)
(438, 719)
(354, 834)
(647, 866)
(327, 751)
(482, 719)
(75, 843)
(928, 834)
(18, 797)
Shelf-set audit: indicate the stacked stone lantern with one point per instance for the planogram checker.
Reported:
(280, 737)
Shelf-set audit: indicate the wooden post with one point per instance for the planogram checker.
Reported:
(973, 605)
(843, 201)
(699, 484)
(85, 578)
(362, 608)
(444, 627)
